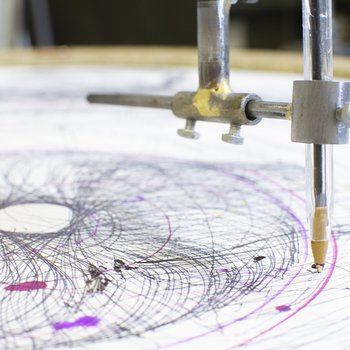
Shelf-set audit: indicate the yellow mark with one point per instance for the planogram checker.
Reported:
(223, 88)
(217, 213)
(204, 99)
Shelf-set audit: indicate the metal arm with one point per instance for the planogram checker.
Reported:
(214, 101)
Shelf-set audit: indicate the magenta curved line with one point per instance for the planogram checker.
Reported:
(308, 301)
(167, 218)
(286, 209)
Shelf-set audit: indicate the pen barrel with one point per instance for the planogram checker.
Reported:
(318, 39)
(318, 65)
(319, 190)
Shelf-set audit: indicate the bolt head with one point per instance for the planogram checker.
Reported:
(188, 134)
(343, 114)
(232, 139)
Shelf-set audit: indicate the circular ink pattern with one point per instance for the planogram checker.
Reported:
(150, 242)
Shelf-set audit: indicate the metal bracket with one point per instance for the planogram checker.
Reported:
(206, 105)
(318, 115)
(214, 100)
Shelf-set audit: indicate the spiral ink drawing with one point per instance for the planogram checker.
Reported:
(148, 245)
(109, 247)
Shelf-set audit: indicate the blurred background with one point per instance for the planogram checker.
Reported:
(267, 24)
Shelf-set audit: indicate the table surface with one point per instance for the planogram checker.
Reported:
(141, 56)
(207, 186)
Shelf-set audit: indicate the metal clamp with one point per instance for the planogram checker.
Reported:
(319, 113)
(206, 105)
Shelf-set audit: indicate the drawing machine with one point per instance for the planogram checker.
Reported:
(319, 111)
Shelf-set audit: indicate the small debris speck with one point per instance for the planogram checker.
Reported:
(258, 258)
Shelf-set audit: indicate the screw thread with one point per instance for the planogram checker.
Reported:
(235, 130)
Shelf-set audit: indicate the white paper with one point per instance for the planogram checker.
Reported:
(168, 243)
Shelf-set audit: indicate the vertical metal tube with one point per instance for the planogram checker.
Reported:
(321, 68)
(318, 42)
(318, 65)
(213, 42)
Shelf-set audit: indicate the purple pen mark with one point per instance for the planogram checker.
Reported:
(229, 269)
(94, 233)
(85, 321)
(322, 285)
(282, 308)
(223, 269)
(298, 222)
(26, 286)
(135, 199)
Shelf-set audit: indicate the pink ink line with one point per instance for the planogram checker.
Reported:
(308, 301)
(26, 286)
(284, 208)
(272, 181)
(318, 291)
(167, 218)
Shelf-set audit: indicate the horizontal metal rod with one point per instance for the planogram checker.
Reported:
(134, 100)
(273, 110)
(255, 109)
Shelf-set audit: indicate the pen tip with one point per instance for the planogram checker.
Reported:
(319, 268)
(319, 251)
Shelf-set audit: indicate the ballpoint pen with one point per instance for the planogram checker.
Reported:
(317, 24)
(320, 199)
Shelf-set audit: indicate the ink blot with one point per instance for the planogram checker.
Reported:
(223, 269)
(258, 258)
(26, 286)
(282, 308)
(86, 321)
